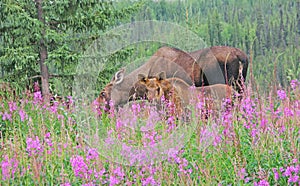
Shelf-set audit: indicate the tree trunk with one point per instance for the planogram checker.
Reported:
(43, 55)
(298, 25)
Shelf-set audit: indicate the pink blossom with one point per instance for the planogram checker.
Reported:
(294, 84)
(22, 114)
(276, 175)
(262, 183)
(281, 94)
(118, 172)
(79, 167)
(113, 180)
(149, 181)
(36, 86)
(34, 147)
(37, 98)
(9, 167)
(92, 154)
(12, 106)
(54, 107)
(70, 100)
(288, 112)
(49, 142)
(242, 173)
(6, 116)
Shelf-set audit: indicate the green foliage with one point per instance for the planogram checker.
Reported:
(69, 27)
(263, 28)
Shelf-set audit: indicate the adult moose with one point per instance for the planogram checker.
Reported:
(214, 65)
(231, 61)
(209, 66)
(202, 65)
(120, 85)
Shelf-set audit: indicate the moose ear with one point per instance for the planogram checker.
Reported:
(119, 76)
(141, 77)
(162, 75)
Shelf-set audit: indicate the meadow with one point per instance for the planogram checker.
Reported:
(72, 142)
(254, 142)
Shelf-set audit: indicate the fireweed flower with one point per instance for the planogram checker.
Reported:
(154, 117)
(149, 181)
(281, 94)
(12, 106)
(48, 140)
(292, 172)
(149, 138)
(92, 154)
(119, 172)
(99, 174)
(297, 107)
(70, 100)
(119, 124)
(96, 108)
(110, 139)
(262, 183)
(22, 115)
(6, 116)
(37, 98)
(54, 107)
(36, 86)
(171, 124)
(263, 123)
(242, 174)
(251, 116)
(113, 180)
(172, 153)
(79, 167)
(34, 147)
(288, 112)
(117, 176)
(276, 175)
(9, 167)
(294, 84)
(208, 136)
(136, 108)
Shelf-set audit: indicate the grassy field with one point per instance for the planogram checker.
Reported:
(255, 142)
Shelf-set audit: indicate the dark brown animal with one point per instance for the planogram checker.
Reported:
(214, 65)
(203, 67)
(233, 64)
(230, 61)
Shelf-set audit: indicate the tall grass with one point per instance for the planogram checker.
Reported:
(254, 142)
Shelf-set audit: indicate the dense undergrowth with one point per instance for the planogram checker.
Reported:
(255, 142)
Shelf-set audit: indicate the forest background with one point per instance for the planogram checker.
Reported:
(43, 41)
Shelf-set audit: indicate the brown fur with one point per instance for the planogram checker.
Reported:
(183, 59)
(158, 86)
(201, 65)
(119, 88)
(182, 93)
(187, 66)
(209, 68)
(233, 63)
